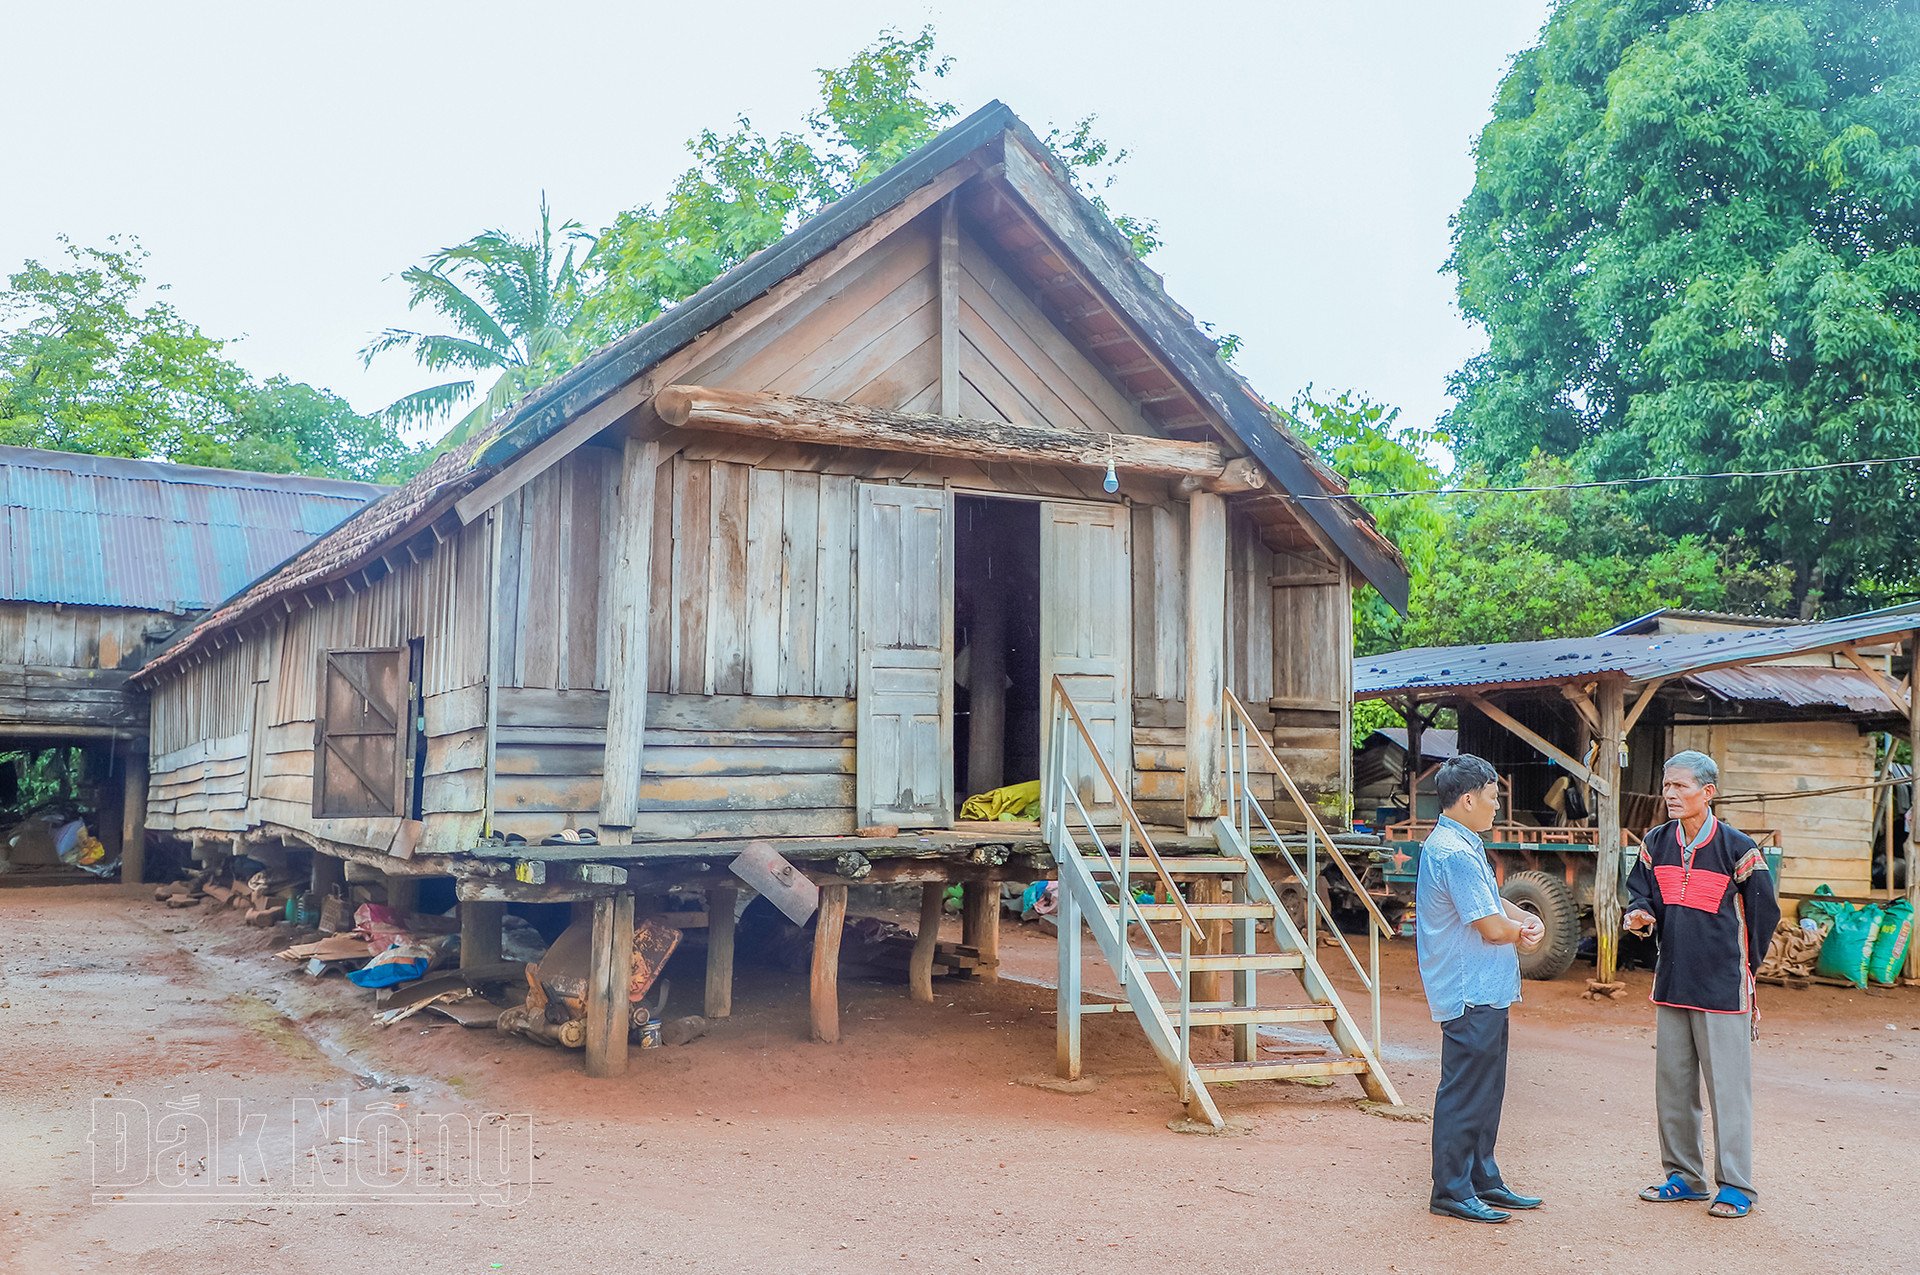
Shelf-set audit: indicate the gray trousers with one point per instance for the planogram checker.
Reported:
(1693, 1046)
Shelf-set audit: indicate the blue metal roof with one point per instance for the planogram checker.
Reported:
(106, 531)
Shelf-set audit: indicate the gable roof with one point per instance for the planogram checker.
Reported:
(86, 530)
(1082, 235)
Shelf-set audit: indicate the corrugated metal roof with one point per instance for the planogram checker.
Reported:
(1797, 686)
(107, 531)
(1638, 659)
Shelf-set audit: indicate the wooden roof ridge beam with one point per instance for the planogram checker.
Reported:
(791, 418)
(1539, 743)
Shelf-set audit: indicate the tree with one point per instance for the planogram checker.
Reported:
(85, 367)
(1499, 566)
(88, 365)
(1692, 244)
(746, 189)
(512, 303)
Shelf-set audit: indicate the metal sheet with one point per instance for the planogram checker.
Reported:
(108, 531)
(1638, 659)
(1797, 687)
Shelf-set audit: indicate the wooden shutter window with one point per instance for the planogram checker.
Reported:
(361, 735)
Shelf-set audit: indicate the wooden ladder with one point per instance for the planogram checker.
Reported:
(1217, 901)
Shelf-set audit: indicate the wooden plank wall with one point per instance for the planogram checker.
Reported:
(1824, 840)
(714, 765)
(232, 738)
(68, 665)
(1311, 686)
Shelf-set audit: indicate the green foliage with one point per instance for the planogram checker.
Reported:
(89, 364)
(511, 302)
(1370, 715)
(524, 312)
(1515, 566)
(1374, 451)
(1526, 565)
(1692, 244)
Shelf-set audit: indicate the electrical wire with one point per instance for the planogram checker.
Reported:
(1641, 480)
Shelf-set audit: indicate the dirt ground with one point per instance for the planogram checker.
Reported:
(918, 1143)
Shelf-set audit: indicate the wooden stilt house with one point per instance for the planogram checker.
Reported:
(805, 556)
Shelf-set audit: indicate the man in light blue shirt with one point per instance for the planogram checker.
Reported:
(1469, 939)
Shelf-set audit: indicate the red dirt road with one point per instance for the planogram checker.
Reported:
(913, 1145)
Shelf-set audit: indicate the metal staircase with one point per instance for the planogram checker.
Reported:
(1215, 903)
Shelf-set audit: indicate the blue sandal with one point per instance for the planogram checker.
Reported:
(1673, 1189)
(1733, 1198)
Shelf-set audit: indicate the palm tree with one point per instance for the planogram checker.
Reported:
(511, 305)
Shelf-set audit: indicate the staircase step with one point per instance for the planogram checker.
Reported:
(1201, 911)
(1229, 961)
(1231, 1015)
(1214, 1073)
(1177, 865)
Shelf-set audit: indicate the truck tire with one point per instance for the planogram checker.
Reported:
(1548, 898)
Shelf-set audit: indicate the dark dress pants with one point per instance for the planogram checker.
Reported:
(1466, 1110)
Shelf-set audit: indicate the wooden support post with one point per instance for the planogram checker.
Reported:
(828, 923)
(609, 974)
(920, 966)
(1246, 1036)
(1206, 660)
(480, 932)
(133, 816)
(980, 925)
(1067, 989)
(1606, 867)
(1913, 739)
(328, 874)
(629, 592)
(1210, 985)
(1416, 729)
(986, 684)
(721, 901)
(403, 893)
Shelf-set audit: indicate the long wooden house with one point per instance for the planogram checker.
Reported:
(801, 558)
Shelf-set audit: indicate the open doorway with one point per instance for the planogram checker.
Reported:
(997, 692)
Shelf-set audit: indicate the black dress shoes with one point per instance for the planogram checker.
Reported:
(1501, 1197)
(1468, 1211)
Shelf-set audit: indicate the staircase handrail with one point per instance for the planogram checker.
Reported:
(1252, 731)
(1124, 805)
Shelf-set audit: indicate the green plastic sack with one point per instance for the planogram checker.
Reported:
(1890, 946)
(1849, 949)
(1822, 906)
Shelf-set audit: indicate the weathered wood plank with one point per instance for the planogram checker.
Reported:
(800, 597)
(728, 582)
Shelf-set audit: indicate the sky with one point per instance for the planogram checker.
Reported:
(282, 163)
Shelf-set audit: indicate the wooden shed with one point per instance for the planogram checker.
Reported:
(799, 558)
(1799, 716)
(105, 558)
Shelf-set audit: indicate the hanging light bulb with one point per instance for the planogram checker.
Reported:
(1111, 483)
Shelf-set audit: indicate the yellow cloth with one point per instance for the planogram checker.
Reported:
(1015, 801)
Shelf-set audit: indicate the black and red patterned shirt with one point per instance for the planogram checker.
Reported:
(1714, 910)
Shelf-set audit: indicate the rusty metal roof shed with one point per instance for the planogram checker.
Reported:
(1633, 658)
(107, 531)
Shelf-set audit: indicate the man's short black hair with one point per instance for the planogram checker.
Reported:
(1461, 775)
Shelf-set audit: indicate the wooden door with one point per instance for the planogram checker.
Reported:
(361, 734)
(904, 770)
(1086, 638)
